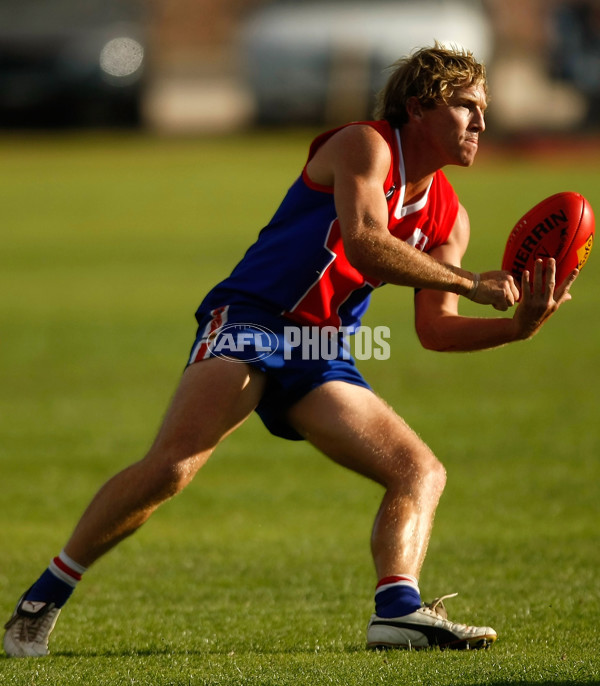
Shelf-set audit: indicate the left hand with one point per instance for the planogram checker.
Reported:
(541, 298)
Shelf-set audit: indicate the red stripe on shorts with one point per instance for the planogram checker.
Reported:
(211, 328)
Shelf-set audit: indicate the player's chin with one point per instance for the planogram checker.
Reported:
(468, 154)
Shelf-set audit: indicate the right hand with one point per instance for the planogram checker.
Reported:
(497, 288)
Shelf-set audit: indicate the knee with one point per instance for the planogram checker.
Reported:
(430, 472)
(437, 473)
(167, 473)
(420, 469)
(173, 478)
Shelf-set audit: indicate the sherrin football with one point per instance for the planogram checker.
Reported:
(561, 226)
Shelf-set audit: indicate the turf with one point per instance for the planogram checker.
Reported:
(260, 572)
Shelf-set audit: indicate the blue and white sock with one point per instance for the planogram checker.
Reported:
(58, 582)
(396, 596)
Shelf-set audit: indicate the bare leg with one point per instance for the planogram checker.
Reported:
(355, 428)
(214, 397)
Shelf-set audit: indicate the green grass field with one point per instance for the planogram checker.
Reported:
(260, 572)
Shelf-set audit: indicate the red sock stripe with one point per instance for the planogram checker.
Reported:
(393, 580)
(66, 569)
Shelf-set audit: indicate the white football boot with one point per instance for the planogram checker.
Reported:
(28, 630)
(427, 627)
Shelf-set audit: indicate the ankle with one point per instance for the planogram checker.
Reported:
(58, 581)
(396, 596)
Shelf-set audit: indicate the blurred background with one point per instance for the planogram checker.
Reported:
(206, 66)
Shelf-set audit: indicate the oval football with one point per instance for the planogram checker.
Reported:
(561, 226)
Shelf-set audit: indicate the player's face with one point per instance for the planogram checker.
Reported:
(454, 127)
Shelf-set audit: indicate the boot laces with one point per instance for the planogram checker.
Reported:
(437, 607)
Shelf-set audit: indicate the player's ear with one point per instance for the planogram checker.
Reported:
(414, 109)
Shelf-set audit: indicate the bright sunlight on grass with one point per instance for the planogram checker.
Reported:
(260, 572)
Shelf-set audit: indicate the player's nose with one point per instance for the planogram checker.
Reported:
(478, 121)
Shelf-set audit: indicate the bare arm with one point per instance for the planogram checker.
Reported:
(440, 327)
(355, 162)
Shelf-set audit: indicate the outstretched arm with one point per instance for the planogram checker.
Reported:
(440, 327)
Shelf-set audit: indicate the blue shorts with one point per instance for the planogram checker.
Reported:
(295, 359)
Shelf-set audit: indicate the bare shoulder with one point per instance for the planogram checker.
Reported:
(462, 226)
(359, 132)
(357, 149)
(361, 141)
(453, 250)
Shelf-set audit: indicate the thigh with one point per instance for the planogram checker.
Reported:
(213, 398)
(356, 428)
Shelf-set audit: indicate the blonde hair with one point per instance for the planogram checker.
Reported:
(431, 75)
